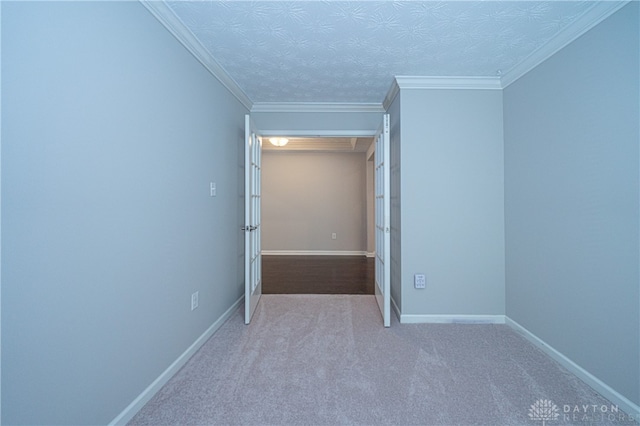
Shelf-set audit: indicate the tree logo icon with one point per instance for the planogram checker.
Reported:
(545, 410)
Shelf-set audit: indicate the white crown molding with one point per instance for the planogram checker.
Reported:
(448, 83)
(166, 16)
(317, 107)
(592, 17)
(439, 83)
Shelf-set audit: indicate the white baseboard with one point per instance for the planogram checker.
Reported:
(370, 254)
(312, 253)
(598, 385)
(135, 406)
(451, 319)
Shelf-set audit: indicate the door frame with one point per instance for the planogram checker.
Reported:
(332, 133)
(382, 217)
(329, 134)
(252, 218)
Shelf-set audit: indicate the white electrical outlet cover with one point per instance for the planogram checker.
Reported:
(194, 300)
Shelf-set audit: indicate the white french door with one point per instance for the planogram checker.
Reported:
(251, 228)
(382, 221)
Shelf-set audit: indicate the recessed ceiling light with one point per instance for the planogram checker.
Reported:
(279, 141)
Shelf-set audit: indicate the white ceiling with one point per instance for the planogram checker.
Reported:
(350, 51)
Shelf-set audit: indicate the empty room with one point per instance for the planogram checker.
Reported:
(499, 201)
(317, 216)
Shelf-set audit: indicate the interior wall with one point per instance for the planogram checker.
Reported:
(307, 196)
(572, 201)
(452, 185)
(344, 123)
(111, 133)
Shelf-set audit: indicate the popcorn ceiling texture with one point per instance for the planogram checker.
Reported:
(337, 51)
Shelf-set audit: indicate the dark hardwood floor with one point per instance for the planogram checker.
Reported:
(317, 275)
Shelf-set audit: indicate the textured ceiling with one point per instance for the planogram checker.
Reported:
(349, 52)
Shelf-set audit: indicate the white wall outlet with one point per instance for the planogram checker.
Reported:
(334, 236)
(420, 281)
(212, 189)
(194, 300)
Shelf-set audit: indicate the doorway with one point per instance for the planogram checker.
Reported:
(317, 216)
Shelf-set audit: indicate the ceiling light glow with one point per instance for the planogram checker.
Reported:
(279, 141)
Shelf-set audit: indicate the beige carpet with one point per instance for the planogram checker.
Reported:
(327, 360)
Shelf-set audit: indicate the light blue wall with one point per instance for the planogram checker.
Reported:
(347, 121)
(111, 133)
(452, 201)
(572, 193)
